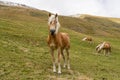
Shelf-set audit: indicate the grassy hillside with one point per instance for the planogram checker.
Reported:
(24, 54)
(93, 25)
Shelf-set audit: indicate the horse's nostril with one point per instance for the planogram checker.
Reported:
(52, 32)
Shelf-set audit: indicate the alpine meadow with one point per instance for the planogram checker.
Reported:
(25, 55)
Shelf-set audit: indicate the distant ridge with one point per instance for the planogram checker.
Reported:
(6, 3)
(86, 15)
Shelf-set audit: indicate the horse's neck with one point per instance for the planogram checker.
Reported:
(56, 38)
(53, 37)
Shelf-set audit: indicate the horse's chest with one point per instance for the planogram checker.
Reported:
(53, 44)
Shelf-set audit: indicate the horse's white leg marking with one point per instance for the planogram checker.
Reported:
(68, 60)
(65, 64)
(68, 64)
(53, 59)
(59, 66)
(63, 58)
(105, 52)
(54, 67)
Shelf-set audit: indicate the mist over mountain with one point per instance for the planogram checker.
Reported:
(107, 8)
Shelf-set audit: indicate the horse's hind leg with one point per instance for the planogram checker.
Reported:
(63, 58)
(68, 59)
(109, 51)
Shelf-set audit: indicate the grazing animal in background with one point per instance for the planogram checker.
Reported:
(106, 47)
(89, 39)
(57, 41)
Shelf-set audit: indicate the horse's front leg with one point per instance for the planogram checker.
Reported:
(53, 60)
(59, 66)
(105, 52)
(109, 51)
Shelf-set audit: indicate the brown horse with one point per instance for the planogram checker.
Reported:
(106, 47)
(57, 41)
(89, 39)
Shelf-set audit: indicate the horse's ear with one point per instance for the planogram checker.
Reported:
(56, 15)
(49, 14)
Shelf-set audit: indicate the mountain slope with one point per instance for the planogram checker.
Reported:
(93, 25)
(24, 53)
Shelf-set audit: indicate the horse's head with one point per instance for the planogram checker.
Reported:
(53, 24)
(100, 47)
(84, 39)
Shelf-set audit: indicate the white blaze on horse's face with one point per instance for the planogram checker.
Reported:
(53, 24)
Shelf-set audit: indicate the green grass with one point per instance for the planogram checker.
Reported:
(24, 54)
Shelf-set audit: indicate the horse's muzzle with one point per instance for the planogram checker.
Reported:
(52, 32)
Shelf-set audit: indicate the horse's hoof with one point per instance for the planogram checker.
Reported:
(64, 66)
(68, 67)
(59, 72)
(54, 71)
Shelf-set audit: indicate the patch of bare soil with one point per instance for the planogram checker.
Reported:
(68, 75)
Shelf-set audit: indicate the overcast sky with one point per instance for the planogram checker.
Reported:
(70, 7)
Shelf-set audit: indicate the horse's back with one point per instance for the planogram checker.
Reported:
(89, 38)
(107, 45)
